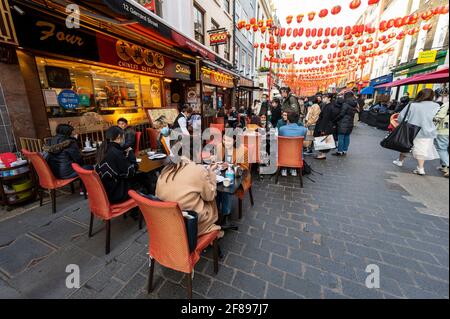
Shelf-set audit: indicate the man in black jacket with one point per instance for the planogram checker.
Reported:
(345, 122)
(130, 134)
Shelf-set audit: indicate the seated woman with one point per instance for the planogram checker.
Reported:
(194, 188)
(240, 157)
(115, 166)
(62, 151)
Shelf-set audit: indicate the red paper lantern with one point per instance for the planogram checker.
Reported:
(269, 23)
(327, 32)
(311, 15)
(282, 32)
(444, 10)
(308, 32)
(340, 31)
(355, 4)
(289, 19)
(390, 23)
(320, 32)
(262, 46)
(248, 27)
(256, 45)
(373, 2)
(300, 32)
(334, 32)
(255, 28)
(295, 32)
(289, 32)
(326, 41)
(314, 32)
(263, 29)
(427, 27)
(323, 13)
(253, 21)
(300, 18)
(336, 10)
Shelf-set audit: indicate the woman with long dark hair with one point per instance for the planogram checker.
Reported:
(421, 113)
(115, 166)
(276, 112)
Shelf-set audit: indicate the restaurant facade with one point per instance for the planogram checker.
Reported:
(89, 76)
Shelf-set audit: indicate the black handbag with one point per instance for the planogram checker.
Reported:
(402, 138)
(192, 230)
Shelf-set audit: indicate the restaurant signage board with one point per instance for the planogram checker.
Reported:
(217, 78)
(137, 58)
(218, 37)
(48, 34)
(427, 57)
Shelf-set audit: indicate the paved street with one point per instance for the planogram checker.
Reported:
(314, 242)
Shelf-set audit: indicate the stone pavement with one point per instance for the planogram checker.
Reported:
(314, 242)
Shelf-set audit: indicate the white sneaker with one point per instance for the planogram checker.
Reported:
(419, 171)
(294, 172)
(284, 172)
(398, 163)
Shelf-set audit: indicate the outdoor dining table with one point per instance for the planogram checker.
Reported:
(147, 165)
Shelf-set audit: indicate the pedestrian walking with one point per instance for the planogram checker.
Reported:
(345, 122)
(326, 125)
(441, 142)
(421, 113)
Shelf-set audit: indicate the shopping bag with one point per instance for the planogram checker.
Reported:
(402, 138)
(191, 221)
(324, 143)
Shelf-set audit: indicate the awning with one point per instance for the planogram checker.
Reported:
(151, 23)
(440, 76)
(370, 90)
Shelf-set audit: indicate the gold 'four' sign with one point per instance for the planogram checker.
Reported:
(126, 52)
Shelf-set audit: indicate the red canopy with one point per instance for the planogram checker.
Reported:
(440, 76)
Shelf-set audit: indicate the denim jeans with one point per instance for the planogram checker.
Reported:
(224, 203)
(441, 143)
(344, 143)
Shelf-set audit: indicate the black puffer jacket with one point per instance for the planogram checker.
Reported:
(326, 125)
(115, 171)
(62, 152)
(346, 118)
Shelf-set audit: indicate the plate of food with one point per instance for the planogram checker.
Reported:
(157, 157)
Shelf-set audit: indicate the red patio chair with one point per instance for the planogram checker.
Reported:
(46, 178)
(138, 143)
(290, 155)
(99, 203)
(220, 127)
(153, 137)
(168, 241)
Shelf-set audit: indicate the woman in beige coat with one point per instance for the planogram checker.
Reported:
(310, 123)
(193, 187)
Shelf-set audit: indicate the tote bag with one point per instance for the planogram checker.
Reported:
(402, 138)
(324, 143)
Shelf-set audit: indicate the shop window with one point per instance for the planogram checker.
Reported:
(228, 49)
(227, 6)
(90, 88)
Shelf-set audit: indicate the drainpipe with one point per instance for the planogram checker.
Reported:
(234, 34)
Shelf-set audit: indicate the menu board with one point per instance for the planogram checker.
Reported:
(165, 115)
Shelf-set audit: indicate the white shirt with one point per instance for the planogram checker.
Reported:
(182, 122)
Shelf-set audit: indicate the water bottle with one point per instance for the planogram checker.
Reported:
(230, 174)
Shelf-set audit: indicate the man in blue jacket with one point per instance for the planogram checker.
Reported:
(292, 129)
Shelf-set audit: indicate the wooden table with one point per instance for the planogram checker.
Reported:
(146, 165)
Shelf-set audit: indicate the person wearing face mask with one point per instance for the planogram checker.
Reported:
(164, 141)
(276, 112)
(115, 167)
(265, 108)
